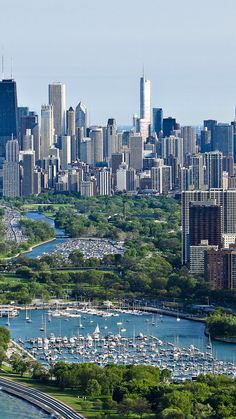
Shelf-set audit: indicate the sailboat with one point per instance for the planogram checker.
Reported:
(28, 318)
(96, 332)
(178, 318)
(26, 314)
(81, 325)
(8, 319)
(209, 346)
(42, 326)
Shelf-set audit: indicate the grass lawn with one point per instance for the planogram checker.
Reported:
(70, 397)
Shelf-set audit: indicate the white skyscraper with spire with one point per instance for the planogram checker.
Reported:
(145, 106)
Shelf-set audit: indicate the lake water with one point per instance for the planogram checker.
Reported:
(184, 332)
(46, 247)
(12, 407)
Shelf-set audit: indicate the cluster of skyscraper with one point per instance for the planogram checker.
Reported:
(61, 152)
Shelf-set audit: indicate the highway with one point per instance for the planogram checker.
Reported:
(52, 406)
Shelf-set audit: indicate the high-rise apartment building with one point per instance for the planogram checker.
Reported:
(189, 140)
(57, 98)
(205, 223)
(65, 152)
(225, 198)
(103, 177)
(214, 169)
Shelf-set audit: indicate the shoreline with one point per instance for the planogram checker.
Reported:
(30, 249)
(39, 399)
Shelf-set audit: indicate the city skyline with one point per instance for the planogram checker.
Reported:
(190, 61)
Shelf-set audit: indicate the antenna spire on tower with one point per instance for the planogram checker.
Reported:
(2, 66)
(11, 68)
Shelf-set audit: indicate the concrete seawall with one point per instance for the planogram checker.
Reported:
(41, 400)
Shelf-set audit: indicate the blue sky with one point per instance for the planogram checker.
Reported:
(98, 48)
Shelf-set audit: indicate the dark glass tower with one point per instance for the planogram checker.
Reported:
(205, 223)
(157, 116)
(8, 114)
(169, 125)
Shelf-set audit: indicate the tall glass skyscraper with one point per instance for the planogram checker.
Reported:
(57, 98)
(145, 99)
(81, 118)
(8, 114)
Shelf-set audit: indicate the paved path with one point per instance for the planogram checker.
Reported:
(43, 401)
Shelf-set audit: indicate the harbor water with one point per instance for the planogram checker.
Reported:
(12, 407)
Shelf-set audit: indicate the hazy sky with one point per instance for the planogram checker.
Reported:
(98, 47)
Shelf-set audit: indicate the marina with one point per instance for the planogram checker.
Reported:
(119, 337)
(62, 245)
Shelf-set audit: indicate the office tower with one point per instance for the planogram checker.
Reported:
(28, 163)
(47, 130)
(223, 139)
(8, 114)
(145, 99)
(136, 119)
(169, 125)
(28, 141)
(65, 152)
(214, 169)
(81, 118)
(22, 112)
(36, 134)
(136, 152)
(228, 165)
(205, 223)
(70, 122)
(57, 98)
(157, 120)
(28, 121)
(11, 170)
(86, 151)
(172, 146)
(37, 181)
(103, 177)
(210, 125)
(116, 160)
(225, 198)
(205, 145)
(96, 135)
(111, 145)
(131, 180)
(198, 170)
(189, 140)
(121, 177)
